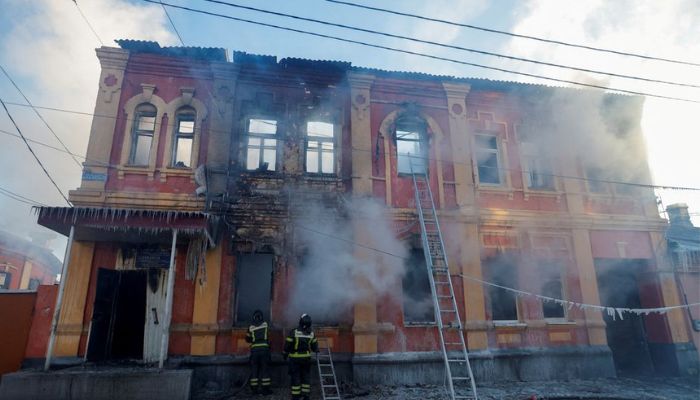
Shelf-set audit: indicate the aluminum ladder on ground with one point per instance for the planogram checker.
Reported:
(326, 373)
(460, 379)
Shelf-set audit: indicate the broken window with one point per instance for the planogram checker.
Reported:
(142, 135)
(183, 139)
(411, 147)
(502, 271)
(595, 179)
(537, 168)
(5, 279)
(488, 159)
(318, 278)
(253, 286)
(417, 295)
(34, 284)
(320, 150)
(553, 289)
(261, 147)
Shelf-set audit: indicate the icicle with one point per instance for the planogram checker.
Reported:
(619, 313)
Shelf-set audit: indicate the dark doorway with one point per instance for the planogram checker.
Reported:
(618, 287)
(118, 315)
(253, 286)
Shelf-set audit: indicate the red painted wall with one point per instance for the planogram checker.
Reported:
(16, 314)
(41, 321)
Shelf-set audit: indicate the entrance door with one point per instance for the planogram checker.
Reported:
(155, 312)
(627, 339)
(118, 315)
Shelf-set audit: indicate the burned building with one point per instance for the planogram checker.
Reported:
(215, 187)
(26, 264)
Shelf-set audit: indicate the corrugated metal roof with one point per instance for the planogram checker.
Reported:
(197, 53)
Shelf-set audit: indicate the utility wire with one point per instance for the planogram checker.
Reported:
(39, 115)
(88, 22)
(34, 154)
(172, 24)
(434, 57)
(169, 125)
(20, 198)
(559, 42)
(454, 47)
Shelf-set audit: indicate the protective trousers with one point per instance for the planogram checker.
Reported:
(300, 374)
(259, 370)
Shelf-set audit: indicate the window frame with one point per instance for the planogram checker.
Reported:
(136, 133)
(562, 295)
(530, 155)
(423, 266)
(261, 147)
(497, 278)
(502, 176)
(191, 115)
(320, 140)
(416, 126)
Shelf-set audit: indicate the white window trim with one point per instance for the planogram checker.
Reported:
(334, 140)
(502, 159)
(243, 155)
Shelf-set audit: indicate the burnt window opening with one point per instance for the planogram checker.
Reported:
(261, 144)
(411, 145)
(142, 135)
(553, 288)
(503, 303)
(315, 291)
(320, 147)
(183, 138)
(596, 180)
(5, 279)
(417, 295)
(488, 159)
(34, 284)
(538, 168)
(253, 286)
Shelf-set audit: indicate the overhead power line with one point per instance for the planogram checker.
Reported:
(539, 39)
(39, 115)
(20, 198)
(182, 42)
(169, 126)
(434, 57)
(34, 154)
(88, 22)
(453, 47)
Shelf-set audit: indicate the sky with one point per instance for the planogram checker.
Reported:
(48, 49)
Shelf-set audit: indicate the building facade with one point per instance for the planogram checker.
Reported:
(286, 186)
(25, 264)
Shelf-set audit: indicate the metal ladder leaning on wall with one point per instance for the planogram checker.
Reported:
(326, 372)
(460, 379)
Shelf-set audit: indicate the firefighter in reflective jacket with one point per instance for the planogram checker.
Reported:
(298, 347)
(257, 336)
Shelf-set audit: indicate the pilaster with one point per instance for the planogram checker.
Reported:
(460, 140)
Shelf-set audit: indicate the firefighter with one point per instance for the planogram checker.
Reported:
(298, 347)
(258, 337)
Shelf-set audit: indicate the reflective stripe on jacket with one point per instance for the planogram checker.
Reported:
(257, 336)
(300, 345)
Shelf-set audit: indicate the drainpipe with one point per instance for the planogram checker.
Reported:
(168, 303)
(59, 299)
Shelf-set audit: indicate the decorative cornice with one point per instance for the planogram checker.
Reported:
(112, 58)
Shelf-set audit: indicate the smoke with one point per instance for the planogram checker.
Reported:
(50, 52)
(333, 273)
(661, 29)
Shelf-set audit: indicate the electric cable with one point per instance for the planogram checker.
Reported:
(449, 46)
(20, 198)
(34, 154)
(39, 115)
(172, 24)
(88, 22)
(424, 55)
(558, 42)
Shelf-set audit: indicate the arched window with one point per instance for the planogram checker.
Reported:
(411, 145)
(142, 134)
(183, 137)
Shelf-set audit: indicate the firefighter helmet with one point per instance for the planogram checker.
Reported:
(305, 321)
(257, 316)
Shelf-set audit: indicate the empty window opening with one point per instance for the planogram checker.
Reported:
(595, 179)
(253, 286)
(411, 147)
(503, 304)
(553, 288)
(488, 159)
(142, 135)
(5, 279)
(318, 277)
(261, 147)
(538, 168)
(417, 295)
(320, 147)
(184, 139)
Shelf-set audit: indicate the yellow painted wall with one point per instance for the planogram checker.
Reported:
(206, 306)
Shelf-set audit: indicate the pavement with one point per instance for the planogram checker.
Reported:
(648, 388)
